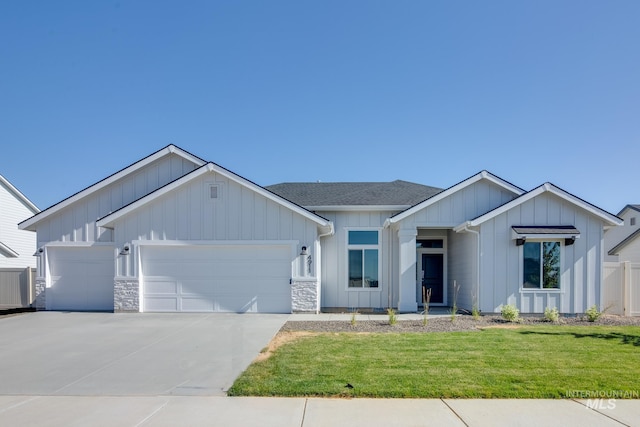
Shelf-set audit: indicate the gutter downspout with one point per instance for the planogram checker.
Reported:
(466, 228)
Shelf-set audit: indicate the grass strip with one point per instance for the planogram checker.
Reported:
(527, 362)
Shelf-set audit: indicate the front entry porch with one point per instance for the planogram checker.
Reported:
(423, 268)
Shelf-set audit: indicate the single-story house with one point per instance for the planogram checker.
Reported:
(623, 243)
(173, 232)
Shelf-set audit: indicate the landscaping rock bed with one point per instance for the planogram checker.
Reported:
(445, 324)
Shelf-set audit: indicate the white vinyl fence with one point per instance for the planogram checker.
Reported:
(621, 288)
(17, 287)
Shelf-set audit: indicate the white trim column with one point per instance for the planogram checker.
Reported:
(407, 274)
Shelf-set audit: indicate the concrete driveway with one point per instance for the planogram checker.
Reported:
(106, 354)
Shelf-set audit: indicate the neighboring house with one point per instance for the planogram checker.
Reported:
(173, 232)
(16, 246)
(623, 243)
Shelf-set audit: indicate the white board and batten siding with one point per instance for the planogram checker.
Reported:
(234, 252)
(77, 222)
(469, 202)
(581, 272)
(335, 291)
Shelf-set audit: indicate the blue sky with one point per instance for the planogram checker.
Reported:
(425, 91)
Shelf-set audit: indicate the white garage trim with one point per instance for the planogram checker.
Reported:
(204, 276)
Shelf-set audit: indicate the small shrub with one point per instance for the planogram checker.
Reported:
(393, 318)
(475, 312)
(353, 317)
(593, 313)
(551, 314)
(426, 300)
(510, 313)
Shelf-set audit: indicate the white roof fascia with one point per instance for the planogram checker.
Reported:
(108, 220)
(451, 190)
(608, 218)
(358, 208)
(7, 251)
(170, 149)
(19, 195)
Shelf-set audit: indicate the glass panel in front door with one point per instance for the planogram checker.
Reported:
(433, 276)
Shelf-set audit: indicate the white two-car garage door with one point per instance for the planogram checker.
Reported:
(219, 278)
(81, 278)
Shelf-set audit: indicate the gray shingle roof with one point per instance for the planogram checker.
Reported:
(395, 193)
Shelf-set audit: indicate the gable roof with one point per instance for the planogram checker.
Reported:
(18, 195)
(607, 217)
(315, 195)
(631, 207)
(109, 220)
(483, 175)
(168, 150)
(630, 238)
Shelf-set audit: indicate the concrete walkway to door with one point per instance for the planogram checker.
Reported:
(141, 354)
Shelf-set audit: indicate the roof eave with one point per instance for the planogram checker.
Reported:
(18, 194)
(357, 208)
(455, 188)
(29, 224)
(108, 221)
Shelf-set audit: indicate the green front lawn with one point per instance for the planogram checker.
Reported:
(528, 362)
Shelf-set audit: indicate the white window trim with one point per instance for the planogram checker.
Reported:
(348, 247)
(524, 290)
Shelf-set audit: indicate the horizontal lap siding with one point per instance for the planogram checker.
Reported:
(21, 241)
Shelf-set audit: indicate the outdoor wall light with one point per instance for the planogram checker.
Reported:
(520, 241)
(304, 251)
(570, 241)
(125, 250)
(39, 252)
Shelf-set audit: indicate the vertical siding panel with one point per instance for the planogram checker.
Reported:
(170, 219)
(260, 212)
(273, 221)
(183, 215)
(248, 197)
(540, 210)
(140, 185)
(233, 203)
(195, 202)
(285, 217)
(164, 173)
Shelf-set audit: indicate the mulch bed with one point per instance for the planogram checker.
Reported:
(445, 324)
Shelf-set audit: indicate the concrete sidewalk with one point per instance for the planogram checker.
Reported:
(310, 412)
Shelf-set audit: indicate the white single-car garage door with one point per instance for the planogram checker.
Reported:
(81, 278)
(220, 278)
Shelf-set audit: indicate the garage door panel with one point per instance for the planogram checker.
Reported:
(161, 304)
(221, 278)
(197, 304)
(157, 286)
(81, 278)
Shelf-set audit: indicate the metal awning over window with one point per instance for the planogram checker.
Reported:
(523, 232)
